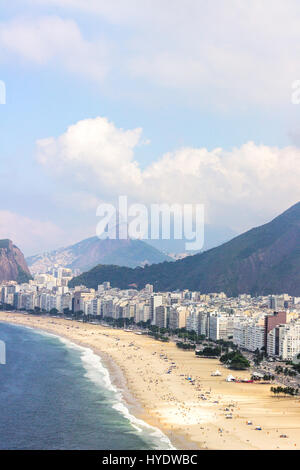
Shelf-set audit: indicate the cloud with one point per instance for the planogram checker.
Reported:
(30, 235)
(222, 54)
(96, 153)
(53, 40)
(238, 187)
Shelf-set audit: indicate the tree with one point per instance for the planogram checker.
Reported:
(235, 360)
(53, 311)
(79, 314)
(284, 390)
(187, 346)
(209, 352)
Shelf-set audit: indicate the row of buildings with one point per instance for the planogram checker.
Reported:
(247, 321)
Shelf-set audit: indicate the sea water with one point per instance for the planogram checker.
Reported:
(57, 395)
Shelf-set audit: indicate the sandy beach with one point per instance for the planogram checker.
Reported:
(192, 415)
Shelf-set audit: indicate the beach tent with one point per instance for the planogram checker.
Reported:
(257, 375)
(217, 373)
(230, 378)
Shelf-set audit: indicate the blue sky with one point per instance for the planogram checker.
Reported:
(174, 102)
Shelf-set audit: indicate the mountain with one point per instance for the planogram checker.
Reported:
(262, 261)
(87, 253)
(214, 235)
(13, 266)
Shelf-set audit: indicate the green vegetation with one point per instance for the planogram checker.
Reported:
(233, 267)
(226, 345)
(53, 311)
(286, 371)
(259, 356)
(296, 367)
(92, 251)
(144, 324)
(235, 360)
(6, 307)
(23, 277)
(284, 390)
(209, 352)
(158, 336)
(182, 333)
(187, 346)
(268, 377)
(67, 312)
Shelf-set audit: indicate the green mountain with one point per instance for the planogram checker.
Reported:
(262, 261)
(91, 251)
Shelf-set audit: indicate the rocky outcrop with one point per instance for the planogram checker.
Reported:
(13, 266)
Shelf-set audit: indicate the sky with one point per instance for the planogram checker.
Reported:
(162, 101)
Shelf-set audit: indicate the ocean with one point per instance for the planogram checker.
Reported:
(57, 395)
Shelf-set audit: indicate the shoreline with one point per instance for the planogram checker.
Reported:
(118, 380)
(191, 416)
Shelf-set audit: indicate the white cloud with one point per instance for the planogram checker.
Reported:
(225, 54)
(29, 234)
(53, 40)
(239, 188)
(96, 153)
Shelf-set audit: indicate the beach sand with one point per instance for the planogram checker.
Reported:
(138, 365)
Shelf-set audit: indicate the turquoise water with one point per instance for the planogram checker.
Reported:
(56, 395)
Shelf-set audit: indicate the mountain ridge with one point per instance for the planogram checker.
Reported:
(90, 251)
(264, 260)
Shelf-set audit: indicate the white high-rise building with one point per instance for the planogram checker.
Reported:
(221, 327)
(155, 301)
(178, 317)
(193, 322)
(284, 341)
(149, 288)
(248, 334)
